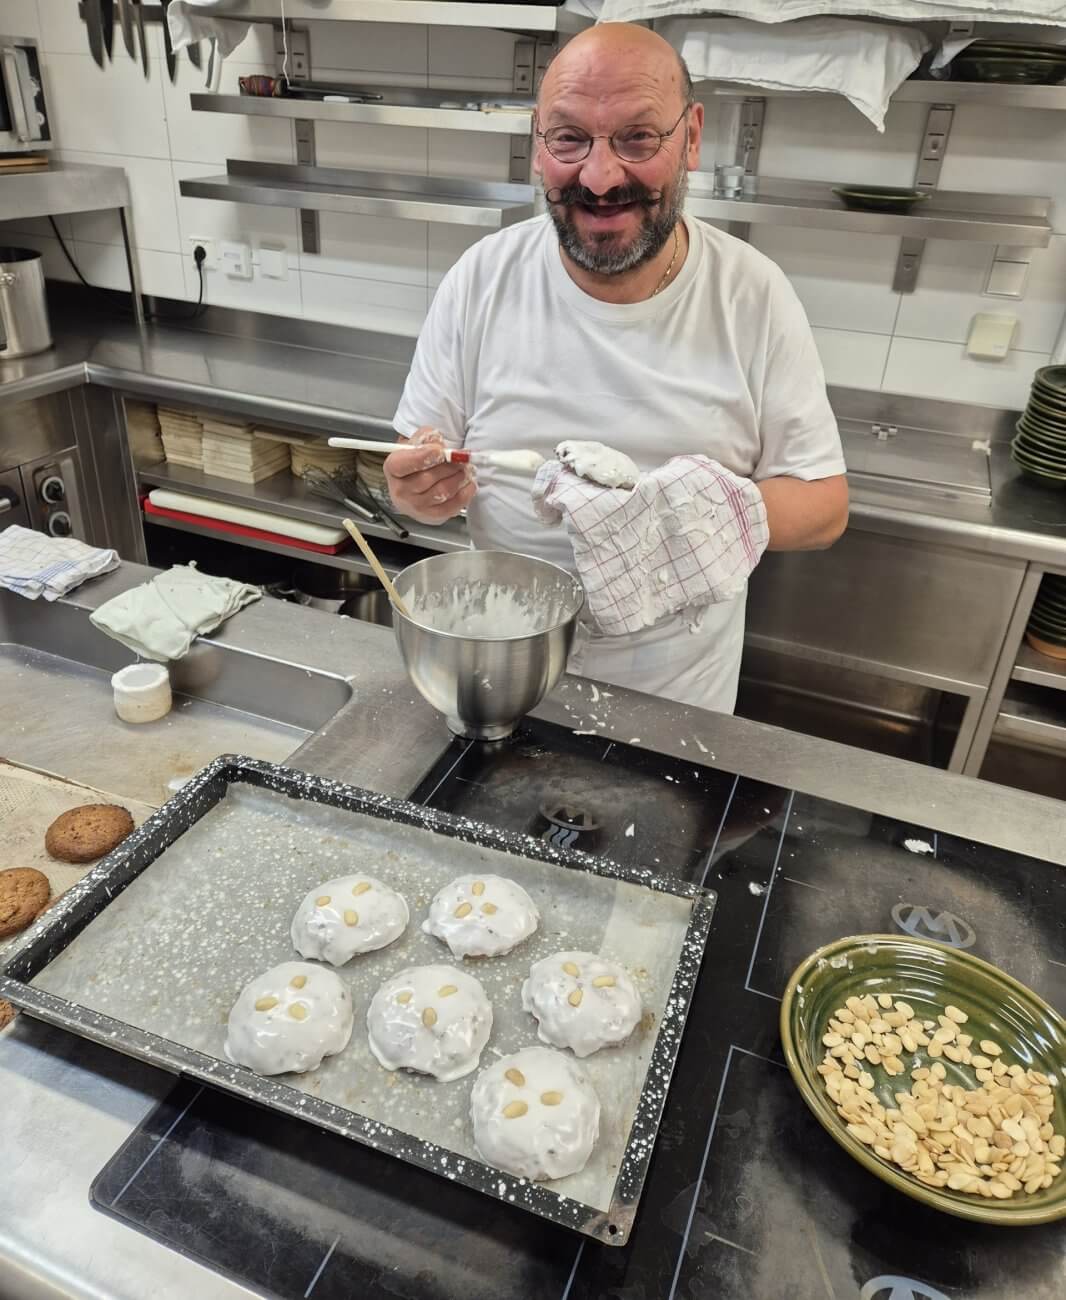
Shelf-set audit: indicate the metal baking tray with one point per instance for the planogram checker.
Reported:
(147, 953)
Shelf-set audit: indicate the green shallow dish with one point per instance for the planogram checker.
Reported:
(1023, 70)
(879, 198)
(928, 976)
(1045, 409)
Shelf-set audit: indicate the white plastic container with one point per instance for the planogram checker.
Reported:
(142, 692)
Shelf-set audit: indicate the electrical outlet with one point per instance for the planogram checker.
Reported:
(208, 245)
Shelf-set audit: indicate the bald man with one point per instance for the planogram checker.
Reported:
(614, 317)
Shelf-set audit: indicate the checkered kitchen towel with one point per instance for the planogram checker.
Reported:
(34, 564)
(687, 535)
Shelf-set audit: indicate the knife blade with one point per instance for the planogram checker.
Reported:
(172, 62)
(94, 26)
(211, 64)
(107, 14)
(125, 18)
(193, 51)
(139, 12)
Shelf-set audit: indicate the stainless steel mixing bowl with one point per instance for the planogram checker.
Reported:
(484, 685)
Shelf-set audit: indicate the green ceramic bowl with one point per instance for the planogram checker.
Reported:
(928, 976)
(1053, 378)
(1047, 424)
(1040, 444)
(1047, 407)
(1035, 468)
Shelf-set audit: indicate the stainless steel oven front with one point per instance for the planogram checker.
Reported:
(24, 124)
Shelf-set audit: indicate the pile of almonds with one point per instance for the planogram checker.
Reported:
(992, 1140)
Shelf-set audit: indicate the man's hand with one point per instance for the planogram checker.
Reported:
(423, 485)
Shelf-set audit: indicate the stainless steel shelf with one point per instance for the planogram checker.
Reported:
(1029, 716)
(432, 13)
(1040, 670)
(63, 187)
(946, 214)
(489, 205)
(352, 561)
(398, 107)
(993, 95)
(285, 494)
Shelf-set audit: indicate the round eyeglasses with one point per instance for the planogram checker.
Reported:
(569, 144)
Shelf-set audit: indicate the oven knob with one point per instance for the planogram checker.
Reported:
(59, 524)
(53, 489)
(8, 500)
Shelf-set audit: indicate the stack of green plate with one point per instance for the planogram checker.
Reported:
(1040, 444)
(1047, 622)
(1017, 62)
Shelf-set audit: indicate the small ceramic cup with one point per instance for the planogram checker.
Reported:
(142, 692)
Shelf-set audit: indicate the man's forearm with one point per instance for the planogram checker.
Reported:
(805, 516)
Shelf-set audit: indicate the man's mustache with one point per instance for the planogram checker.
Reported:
(568, 195)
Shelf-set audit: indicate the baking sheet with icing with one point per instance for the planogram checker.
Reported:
(171, 953)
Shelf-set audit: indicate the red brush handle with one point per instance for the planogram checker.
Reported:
(459, 457)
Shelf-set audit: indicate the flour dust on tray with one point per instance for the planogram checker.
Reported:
(493, 611)
(342, 918)
(581, 1001)
(289, 1019)
(535, 1114)
(432, 1019)
(481, 916)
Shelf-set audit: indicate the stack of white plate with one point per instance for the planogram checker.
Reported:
(183, 437)
(231, 450)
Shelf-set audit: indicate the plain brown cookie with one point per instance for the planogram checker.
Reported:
(87, 833)
(7, 1013)
(24, 892)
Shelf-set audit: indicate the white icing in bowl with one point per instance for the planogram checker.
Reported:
(303, 1023)
(432, 1019)
(608, 1005)
(341, 918)
(481, 916)
(535, 1114)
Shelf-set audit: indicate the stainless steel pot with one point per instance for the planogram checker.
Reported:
(23, 309)
(370, 607)
(485, 685)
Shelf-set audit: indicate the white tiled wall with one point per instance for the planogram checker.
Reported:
(381, 274)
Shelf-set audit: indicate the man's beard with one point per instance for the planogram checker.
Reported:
(596, 252)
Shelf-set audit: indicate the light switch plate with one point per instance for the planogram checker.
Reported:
(273, 261)
(991, 336)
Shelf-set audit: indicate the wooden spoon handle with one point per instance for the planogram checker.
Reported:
(375, 564)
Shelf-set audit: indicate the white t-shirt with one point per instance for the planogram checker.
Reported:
(513, 354)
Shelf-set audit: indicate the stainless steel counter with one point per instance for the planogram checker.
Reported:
(250, 370)
(69, 1104)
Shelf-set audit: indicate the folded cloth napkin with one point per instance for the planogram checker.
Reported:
(864, 62)
(34, 564)
(781, 11)
(688, 535)
(188, 23)
(160, 619)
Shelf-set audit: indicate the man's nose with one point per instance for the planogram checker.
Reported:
(602, 170)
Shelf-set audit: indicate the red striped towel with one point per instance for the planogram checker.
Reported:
(688, 535)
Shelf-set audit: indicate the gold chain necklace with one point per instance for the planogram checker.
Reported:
(662, 283)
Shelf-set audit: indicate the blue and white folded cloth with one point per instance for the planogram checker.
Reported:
(34, 564)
